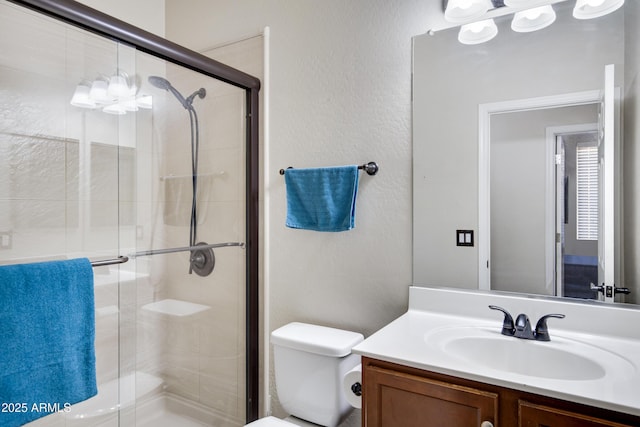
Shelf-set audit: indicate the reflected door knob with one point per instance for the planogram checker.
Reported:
(486, 424)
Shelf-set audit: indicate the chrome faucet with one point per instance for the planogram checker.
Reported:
(522, 326)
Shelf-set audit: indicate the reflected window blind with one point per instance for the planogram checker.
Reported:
(587, 191)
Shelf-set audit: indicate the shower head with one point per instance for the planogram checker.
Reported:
(162, 83)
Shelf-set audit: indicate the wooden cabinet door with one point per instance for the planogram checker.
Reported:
(398, 399)
(532, 415)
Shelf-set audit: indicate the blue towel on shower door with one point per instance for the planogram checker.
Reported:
(47, 330)
(322, 199)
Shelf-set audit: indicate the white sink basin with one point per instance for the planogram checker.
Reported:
(593, 357)
(559, 359)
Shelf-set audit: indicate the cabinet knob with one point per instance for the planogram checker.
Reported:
(486, 424)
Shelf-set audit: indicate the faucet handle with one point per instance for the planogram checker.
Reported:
(508, 328)
(542, 333)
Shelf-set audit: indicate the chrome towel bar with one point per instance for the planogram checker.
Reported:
(370, 168)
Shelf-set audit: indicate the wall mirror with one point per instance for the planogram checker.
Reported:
(498, 131)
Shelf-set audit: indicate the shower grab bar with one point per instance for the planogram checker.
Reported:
(123, 259)
(370, 168)
(202, 175)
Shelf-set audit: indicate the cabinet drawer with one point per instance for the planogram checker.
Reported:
(532, 415)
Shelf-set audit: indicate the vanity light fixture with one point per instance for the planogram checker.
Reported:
(588, 9)
(529, 15)
(520, 3)
(533, 19)
(478, 32)
(459, 11)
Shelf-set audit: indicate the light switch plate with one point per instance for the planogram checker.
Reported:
(464, 238)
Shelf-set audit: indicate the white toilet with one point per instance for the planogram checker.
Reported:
(310, 362)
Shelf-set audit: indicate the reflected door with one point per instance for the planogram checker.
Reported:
(608, 202)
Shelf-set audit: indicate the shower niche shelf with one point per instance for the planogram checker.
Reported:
(173, 307)
(113, 277)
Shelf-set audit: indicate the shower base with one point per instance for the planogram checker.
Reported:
(138, 400)
(168, 410)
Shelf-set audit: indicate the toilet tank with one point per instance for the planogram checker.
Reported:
(310, 361)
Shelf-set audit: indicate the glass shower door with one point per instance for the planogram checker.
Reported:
(98, 162)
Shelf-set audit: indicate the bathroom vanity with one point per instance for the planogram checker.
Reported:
(401, 396)
(445, 362)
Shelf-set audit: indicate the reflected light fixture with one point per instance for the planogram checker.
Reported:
(81, 96)
(117, 109)
(113, 95)
(459, 11)
(144, 101)
(588, 9)
(99, 91)
(533, 19)
(478, 32)
(520, 3)
(118, 86)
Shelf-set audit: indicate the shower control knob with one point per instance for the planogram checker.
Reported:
(486, 424)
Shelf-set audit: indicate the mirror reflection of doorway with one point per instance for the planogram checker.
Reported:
(576, 210)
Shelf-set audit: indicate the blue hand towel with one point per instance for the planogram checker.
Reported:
(47, 330)
(322, 199)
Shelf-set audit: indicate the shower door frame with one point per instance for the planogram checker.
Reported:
(97, 22)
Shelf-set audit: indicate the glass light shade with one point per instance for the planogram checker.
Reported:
(98, 92)
(117, 109)
(118, 86)
(459, 11)
(145, 101)
(129, 104)
(520, 3)
(478, 32)
(81, 97)
(588, 9)
(533, 19)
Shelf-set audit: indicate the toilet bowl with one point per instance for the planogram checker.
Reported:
(310, 362)
(274, 422)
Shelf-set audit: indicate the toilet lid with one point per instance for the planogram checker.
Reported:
(270, 422)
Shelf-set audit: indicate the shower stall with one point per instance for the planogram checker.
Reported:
(122, 147)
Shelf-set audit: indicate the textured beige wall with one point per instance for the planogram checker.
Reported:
(145, 14)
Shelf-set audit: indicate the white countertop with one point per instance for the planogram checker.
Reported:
(606, 328)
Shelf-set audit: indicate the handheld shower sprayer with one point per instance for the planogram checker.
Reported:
(202, 260)
(162, 83)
